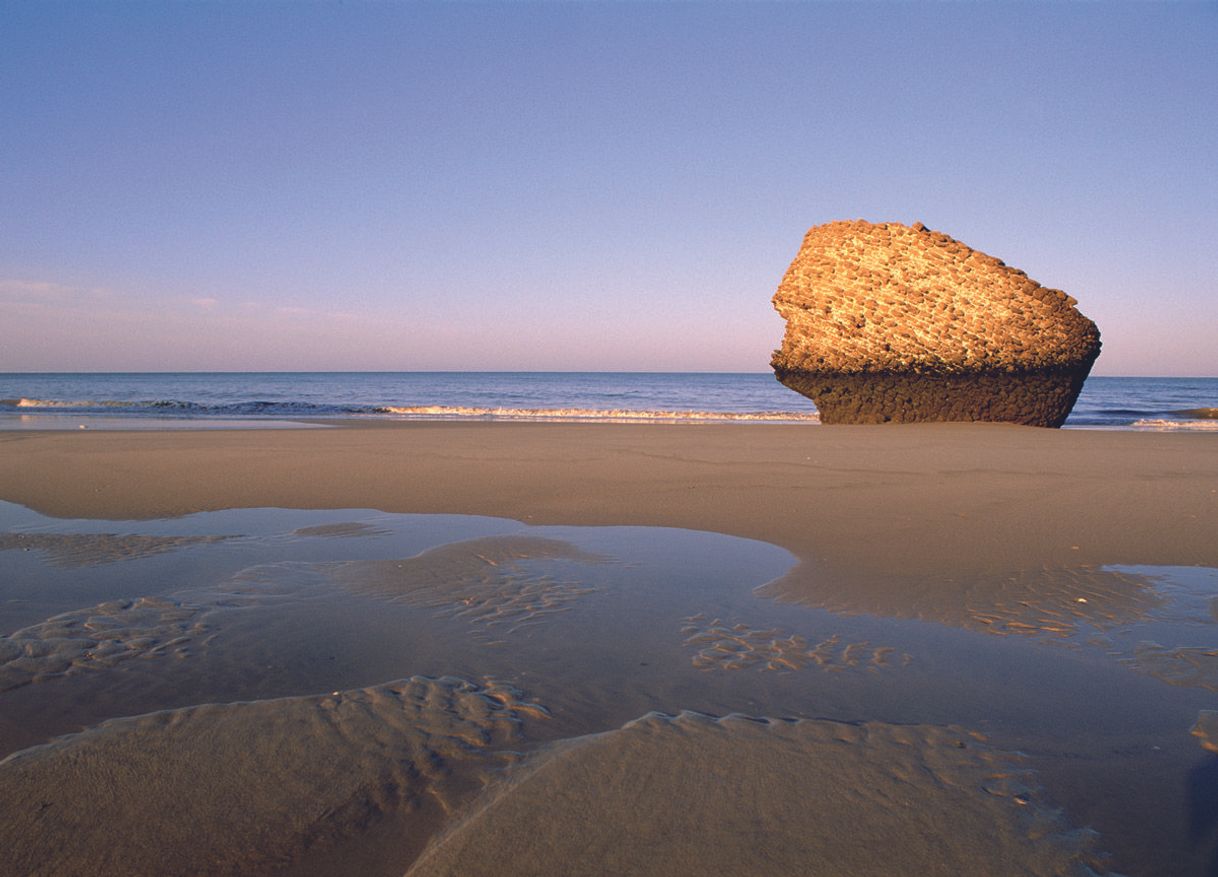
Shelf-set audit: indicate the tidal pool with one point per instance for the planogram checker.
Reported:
(287, 691)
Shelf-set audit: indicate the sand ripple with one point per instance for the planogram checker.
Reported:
(692, 794)
(738, 646)
(98, 637)
(1206, 730)
(244, 787)
(1187, 666)
(90, 549)
(491, 581)
(1045, 602)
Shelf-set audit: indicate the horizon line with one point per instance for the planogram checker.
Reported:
(483, 372)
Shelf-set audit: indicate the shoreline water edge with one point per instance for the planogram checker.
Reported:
(33, 401)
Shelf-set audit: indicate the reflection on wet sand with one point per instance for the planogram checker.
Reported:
(1203, 790)
(97, 638)
(1206, 729)
(344, 530)
(602, 625)
(490, 581)
(89, 549)
(1113, 610)
(737, 646)
(1046, 601)
(1187, 666)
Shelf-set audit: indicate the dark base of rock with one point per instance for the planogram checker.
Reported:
(1032, 398)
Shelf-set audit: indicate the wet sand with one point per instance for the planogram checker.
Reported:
(857, 501)
(250, 784)
(799, 797)
(1020, 546)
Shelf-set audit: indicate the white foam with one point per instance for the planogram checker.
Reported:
(620, 415)
(56, 403)
(1152, 424)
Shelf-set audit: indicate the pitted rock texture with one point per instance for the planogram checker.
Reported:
(887, 322)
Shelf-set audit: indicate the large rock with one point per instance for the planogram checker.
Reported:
(888, 323)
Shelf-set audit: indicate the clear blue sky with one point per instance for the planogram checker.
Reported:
(570, 186)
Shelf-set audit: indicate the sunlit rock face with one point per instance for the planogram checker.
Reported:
(892, 323)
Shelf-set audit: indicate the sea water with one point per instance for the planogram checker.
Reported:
(254, 398)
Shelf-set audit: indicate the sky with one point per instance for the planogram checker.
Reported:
(579, 186)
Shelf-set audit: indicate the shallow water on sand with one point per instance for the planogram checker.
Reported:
(271, 690)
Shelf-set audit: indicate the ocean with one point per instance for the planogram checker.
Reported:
(258, 398)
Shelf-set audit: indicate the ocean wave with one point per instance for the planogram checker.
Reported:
(597, 414)
(1200, 413)
(1135, 412)
(180, 408)
(1157, 424)
(88, 404)
(60, 403)
(405, 412)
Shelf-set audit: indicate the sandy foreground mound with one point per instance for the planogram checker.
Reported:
(242, 788)
(696, 795)
(247, 788)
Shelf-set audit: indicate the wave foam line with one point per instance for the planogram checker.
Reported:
(598, 414)
(58, 403)
(175, 406)
(1160, 425)
(97, 403)
(419, 412)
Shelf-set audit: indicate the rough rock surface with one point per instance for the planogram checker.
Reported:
(887, 322)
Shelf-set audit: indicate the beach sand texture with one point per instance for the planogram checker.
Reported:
(948, 579)
(929, 499)
(694, 795)
(248, 786)
(481, 580)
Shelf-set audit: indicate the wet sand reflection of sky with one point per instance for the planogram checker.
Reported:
(599, 626)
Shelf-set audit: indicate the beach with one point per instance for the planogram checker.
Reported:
(608, 440)
(997, 536)
(943, 499)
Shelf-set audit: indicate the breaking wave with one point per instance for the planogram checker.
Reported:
(598, 414)
(175, 407)
(1202, 413)
(1158, 424)
(182, 407)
